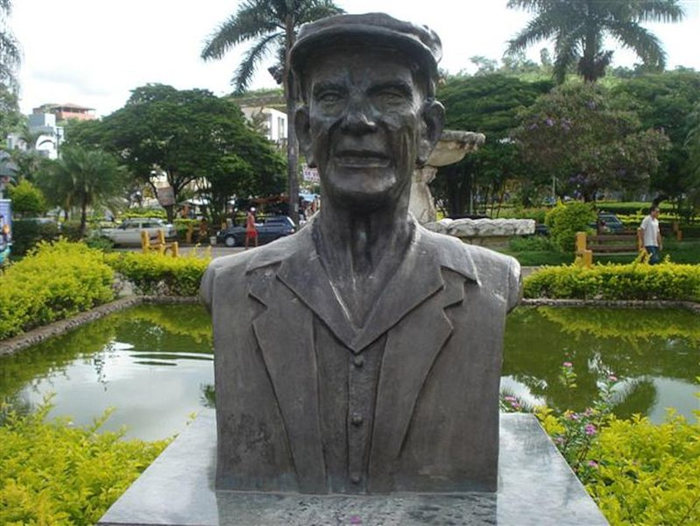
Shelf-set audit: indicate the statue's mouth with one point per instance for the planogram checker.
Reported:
(362, 159)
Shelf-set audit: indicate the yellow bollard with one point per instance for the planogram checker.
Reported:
(584, 257)
(145, 242)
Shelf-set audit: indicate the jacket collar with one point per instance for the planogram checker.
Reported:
(417, 278)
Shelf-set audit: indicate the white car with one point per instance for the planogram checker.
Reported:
(129, 232)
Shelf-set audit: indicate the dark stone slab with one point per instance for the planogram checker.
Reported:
(536, 486)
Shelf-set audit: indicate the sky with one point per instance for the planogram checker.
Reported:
(94, 52)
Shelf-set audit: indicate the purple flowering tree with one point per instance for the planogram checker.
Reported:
(586, 140)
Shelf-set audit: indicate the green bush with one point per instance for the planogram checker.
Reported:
(153, 274)
(646, 473)
(27, 199)
(565, 220)
(71, 230)
(636, 281)
(54, 473)
(53, 282)
(26, 233)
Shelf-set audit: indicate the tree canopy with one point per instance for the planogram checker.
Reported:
(187, 136)
(486, 104)
(578, 28)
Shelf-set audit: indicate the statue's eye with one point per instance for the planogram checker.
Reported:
(329, 97)
(391, 96)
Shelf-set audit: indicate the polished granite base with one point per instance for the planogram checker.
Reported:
(536, 486)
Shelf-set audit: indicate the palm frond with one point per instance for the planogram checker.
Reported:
(247, 23)
(641, 41)
(537, 29)
(658, 11)
(251, 59)
(317, 9)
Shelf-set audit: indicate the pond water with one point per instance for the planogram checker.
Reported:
(153, 364)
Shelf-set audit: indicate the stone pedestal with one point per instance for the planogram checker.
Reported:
(536, 486)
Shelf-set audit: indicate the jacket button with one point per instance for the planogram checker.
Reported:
(358, 361)
(357, 419)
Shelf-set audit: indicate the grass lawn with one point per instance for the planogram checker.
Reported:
(536, 253)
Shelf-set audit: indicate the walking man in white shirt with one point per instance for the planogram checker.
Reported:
(651, 235)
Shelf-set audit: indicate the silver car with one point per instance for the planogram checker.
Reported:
(129, 232)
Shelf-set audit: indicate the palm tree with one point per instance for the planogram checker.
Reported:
(10, 55)
(82, 178)
(579, 26)
(270, 25)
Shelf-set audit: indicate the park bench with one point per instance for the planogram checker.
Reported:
(623, 243)
(159, 244)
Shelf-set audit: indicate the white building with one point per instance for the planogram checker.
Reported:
(273, 123)
(45, 134)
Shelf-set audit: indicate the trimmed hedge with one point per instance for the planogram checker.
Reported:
(636, 281)
(153, 274)
(55, 473)
(53, 282)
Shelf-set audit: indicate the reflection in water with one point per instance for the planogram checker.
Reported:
(153, 364)
(149, 363)
(655, 352)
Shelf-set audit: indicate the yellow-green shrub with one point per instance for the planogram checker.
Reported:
(666, 281)
(158, 274)
(564, 220)
(646, 473)
(55, 281)
(53, 473)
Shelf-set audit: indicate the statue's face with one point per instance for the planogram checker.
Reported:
(362, 126)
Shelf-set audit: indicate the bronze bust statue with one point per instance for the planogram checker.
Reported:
(362, 354)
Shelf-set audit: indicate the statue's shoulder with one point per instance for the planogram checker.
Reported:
(225, 272)
(487, 267)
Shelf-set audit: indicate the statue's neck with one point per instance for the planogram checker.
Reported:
(360, 253)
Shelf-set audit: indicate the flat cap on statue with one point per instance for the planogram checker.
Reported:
(373, 29)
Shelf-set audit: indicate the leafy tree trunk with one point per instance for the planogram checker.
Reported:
(292, 146)
(83, 217)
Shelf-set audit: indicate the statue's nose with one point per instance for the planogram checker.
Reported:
(358, 118)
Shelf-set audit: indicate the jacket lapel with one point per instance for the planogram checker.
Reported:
(412, 347)
(284, 331)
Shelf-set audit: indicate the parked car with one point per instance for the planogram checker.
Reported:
(129, 232)
(609, 224)
(271, 228)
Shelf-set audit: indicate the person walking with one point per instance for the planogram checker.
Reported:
(650, 235)
(251, 232)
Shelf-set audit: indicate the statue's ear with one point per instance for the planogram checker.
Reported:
(433, 124)
(301, 124)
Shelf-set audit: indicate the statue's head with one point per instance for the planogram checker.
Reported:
(368, 114)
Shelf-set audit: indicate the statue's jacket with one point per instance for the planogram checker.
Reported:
(435, 422)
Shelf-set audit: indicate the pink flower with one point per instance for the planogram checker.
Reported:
(572, 416)
(593, 463)
(612, 378)
(568, 364)
(510, 399)
(590, 429)
(354, 519)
